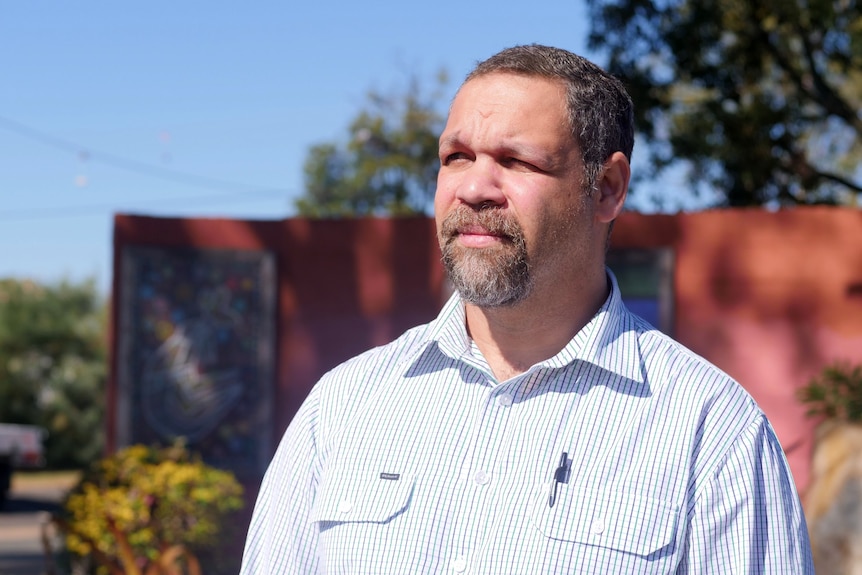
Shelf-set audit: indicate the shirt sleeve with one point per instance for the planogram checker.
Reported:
(282, 538)
(748, 518)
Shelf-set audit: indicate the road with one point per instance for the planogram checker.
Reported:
(24, 519)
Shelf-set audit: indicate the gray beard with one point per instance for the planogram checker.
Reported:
(487, 277)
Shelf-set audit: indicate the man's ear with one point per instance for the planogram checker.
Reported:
(612, 187)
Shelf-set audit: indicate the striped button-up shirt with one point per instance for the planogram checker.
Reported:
(623, 453)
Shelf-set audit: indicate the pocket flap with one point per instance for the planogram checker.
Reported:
(357, 495)
(622, 521)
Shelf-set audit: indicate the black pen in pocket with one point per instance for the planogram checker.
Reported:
(561, 475)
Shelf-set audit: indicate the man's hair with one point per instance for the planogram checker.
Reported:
(600, 111)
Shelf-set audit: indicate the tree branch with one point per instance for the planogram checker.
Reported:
(839, 179)
(831, 100)
(822, 92)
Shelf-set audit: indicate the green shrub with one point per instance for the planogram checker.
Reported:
(836, 393)
(53, 365)
(148, 510)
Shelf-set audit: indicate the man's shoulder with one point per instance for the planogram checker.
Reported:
(386, 357)
(672, 367)
(663, 351)
(709, 406)
(364, 380)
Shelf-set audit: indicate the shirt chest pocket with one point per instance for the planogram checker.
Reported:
(623, 522)
(350, 495)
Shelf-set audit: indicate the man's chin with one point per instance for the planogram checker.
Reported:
(482, 285)
(491, 299)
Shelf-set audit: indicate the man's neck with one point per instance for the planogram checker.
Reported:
(514, 338)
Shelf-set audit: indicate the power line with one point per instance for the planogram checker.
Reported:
(54, 212)
(128, 164)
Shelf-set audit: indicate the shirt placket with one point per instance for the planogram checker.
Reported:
(538, 431)
(484, 475)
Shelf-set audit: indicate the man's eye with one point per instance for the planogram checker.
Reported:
(518, 163)
(454, 157)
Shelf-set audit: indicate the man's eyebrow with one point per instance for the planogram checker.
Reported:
(513, 148)
(451, 140)
(542, 158)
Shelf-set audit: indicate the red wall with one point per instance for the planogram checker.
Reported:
(343, 287)
(770, 297)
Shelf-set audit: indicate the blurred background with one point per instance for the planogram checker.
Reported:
(277, 110)
(205, 109)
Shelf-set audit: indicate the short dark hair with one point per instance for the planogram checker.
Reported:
(600, 111)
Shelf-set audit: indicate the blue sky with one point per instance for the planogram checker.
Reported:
(205, 109)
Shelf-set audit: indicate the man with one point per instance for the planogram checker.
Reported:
(535, 426)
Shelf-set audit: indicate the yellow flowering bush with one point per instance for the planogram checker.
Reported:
(143, 510)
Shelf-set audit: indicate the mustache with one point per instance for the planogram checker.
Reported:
(493, 220)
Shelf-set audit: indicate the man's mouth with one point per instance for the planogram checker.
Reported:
(484, 229)
(476, 230)
(476, 236)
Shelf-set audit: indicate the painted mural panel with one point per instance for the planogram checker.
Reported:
(645, 277)
(196, 352)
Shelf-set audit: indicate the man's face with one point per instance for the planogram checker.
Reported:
(510, 207)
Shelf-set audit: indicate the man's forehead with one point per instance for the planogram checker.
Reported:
(504, 85)
(518, 97)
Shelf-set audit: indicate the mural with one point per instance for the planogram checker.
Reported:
(196, 352)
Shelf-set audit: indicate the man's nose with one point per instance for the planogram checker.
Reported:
(481, 184)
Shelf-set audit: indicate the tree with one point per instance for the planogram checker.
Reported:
(389, 163)
(759, 98)
(53, 365)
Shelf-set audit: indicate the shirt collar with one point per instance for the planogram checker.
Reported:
(450, 328)
(608, 340)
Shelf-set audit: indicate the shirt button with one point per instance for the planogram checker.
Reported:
(481, 478)
(598, 527)
(505, 400)
(345, 506)
(459, 564)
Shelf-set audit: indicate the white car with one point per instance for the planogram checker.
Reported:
(21, 447)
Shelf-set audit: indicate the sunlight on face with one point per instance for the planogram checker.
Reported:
(510, 208)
